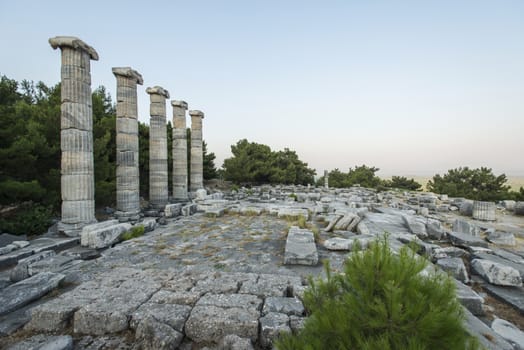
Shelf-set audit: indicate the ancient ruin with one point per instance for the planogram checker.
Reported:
(179, 151)
(76, 135)
(127, 172)
(197, 167)
(158, 184)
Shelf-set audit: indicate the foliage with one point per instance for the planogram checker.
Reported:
(403, 182)
(381, 302)
(360, 175)
(136, 231)
(478, 184)
(210, 171)
(26, 218)
(255, 163)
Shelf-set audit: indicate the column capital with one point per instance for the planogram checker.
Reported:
(181, 104)
(73, 42)
(157, 90)
(128, 72)
(196, 113)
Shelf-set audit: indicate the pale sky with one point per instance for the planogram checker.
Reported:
(411, 87)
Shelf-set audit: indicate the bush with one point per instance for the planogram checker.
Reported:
(27, 218)
(402, 182)
(381, 302)
(135, 232)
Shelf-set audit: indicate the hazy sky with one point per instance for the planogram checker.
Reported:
(411, 87)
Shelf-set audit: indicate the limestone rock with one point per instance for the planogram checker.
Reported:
(234, 342)
(45, 342)
(22, 293)
(154, 335)
(469, 298)
(271, 326)
(466, 240)
(300, 247)
(348, 222)
(462, 226)
(211, 323)
(496, 273)
(502, 238)
(21, 271)
(105, 236)
(173, 210)
(283, 305)
(509, 331)
(455, 267)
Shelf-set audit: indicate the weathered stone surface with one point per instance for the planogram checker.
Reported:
(509, 332)
(154, 335)
(519, 266)
(496, 273)
(466, 208)
(283, 305)
(466, 240)
(234, 342)
(21, 293)
(173, 210)
(201, 194)
(455, 267)
(469, 299)
(179, 297)
(21, 271)
(244, 301)
(211, 323)
(416, 225)
(189, 209)
(510, 295)
(300, 247)
(104, 237)
(449, 252)
(6, 238)
(265, 285)
(293, 213)
(271, 325)
(434, 230)
(347, 222)
(501, 238)
(337, 243)
(45, 342)
(173, 315)
(486, 336)
(462, 226)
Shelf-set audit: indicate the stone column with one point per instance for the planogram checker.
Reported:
(326, 179)
(76, 134)
(127, 174)
(158, 190)
(197, 157)
(179, 151)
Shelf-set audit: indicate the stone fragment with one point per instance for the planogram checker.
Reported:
(45, 342)
(496, 273)
(416, 225)
(22, 293)
(348, 222)
(501, 238)
(486, 336)
(173, 210)
(508, 204)
(519, 266)
(211, 323)
(466, 208)
(21, 271)
(455, 267)
(509, 332)
(449, 252)
(21, 244)
(265, 285)
(234, 342)
(200, 194)
(509, 295)
(332, 223)
(466, 240)
(189, 209)
(300, 247)
(519, 208)
(271, 326)
(105, 236)
(155, 335)
(337, 243)
(469, 298)
(462, 226)
(283, 305)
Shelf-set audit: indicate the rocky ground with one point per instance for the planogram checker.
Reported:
(228, 272)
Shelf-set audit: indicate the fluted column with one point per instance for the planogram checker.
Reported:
(197, 157)
(158, 190)
(127, 174)
(76, 134)
(179, 150)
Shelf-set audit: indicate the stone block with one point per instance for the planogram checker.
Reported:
(462, 226)
(154, 335)
(497, 273)
(466, 240)
(105, 236)
(300, 247)
(173, 210)
(283, 305)
(509, 332)
(271, 326)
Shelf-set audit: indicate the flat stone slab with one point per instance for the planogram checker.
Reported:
(36, 246)
(466, 240)
(510, 295)
(500, 260)
(300, 247)
(212, 323)
(455, 267)
(244, 301)
(22, 293)
(271, 326)
(283, 305)
(509, 331)
(265, 285)
(496, 273)
(469, 298)
(45, 342)
(103, 234)
(486, 336)
(172, 315)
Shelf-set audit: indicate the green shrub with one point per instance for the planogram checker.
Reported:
(381, 302)
(28, 218)
(135, 232)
